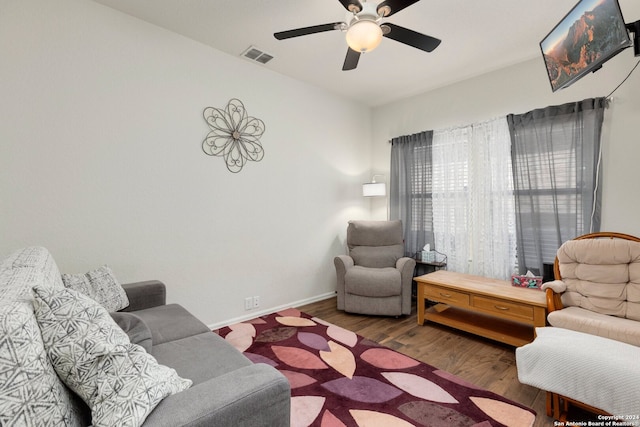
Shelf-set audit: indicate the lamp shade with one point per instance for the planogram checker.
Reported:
(373, 189)
(364, 36)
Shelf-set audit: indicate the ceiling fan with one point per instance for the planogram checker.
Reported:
(365, 30)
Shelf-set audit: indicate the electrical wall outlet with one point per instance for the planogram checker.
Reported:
(248, 303)
(256, 302)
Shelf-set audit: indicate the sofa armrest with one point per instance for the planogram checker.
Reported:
(147, 294)
(252, 396)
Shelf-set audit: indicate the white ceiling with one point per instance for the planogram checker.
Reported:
(477, 36)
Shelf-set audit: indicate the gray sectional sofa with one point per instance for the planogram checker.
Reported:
(227, 389)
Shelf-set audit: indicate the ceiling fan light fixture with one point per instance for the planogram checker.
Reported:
(364, 35)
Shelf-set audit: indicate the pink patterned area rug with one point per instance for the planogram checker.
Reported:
(339, 378)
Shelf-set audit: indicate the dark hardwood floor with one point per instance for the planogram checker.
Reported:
(483, 362)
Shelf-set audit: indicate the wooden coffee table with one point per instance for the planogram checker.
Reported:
(487, 307)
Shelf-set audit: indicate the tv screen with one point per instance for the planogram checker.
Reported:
(589, 35)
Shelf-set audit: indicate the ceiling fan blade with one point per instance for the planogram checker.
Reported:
(351, 60)
(410, 37)
(389, 7)
(307, 30)
(351, 5)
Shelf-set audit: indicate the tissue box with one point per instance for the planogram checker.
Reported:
(428, 256)
(526, 281)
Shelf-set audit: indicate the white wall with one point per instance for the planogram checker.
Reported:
(521, 88)
(101, 161)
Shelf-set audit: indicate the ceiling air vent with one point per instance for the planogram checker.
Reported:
(254, 54)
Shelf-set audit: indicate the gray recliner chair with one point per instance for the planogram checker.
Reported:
(375, 278)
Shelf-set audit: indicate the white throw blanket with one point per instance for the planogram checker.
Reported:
(590, 369)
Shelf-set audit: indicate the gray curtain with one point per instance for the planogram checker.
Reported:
(555, 153)
(410, 189)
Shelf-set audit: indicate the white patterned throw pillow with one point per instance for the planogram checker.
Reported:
(100, 285)
(31, 394)
(119, 381)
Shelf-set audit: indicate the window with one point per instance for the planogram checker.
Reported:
(473, 205)
(478, 192)
(451, 199)
(555, 154)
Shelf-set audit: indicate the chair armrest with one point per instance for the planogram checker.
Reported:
(407, 267)
(342, 263)
(553, 290)
(255, 395)
(558, 286)
(147, 294)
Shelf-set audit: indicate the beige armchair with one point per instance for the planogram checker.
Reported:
(597, 286)
(375, 278)
(589, 357)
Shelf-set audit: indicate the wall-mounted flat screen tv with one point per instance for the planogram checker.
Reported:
(589, 35)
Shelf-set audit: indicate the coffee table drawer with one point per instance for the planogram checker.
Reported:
(502, 308)
(447, 296)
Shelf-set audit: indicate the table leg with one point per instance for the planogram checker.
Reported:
(420, 302)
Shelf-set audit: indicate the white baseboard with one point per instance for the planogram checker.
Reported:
(253, 314)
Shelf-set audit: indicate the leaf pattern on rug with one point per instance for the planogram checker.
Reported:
(340, 359)
(298, 379)
(384, 358)
(363, 389)
(298, 358)
(315, 341)
(433, 414)
(330, 420)
(339, 334)
(305, 409)
(295, 321)
(290, 312)
(241, 336)
(386, 387)
(344, 336)
(245, 328)
(419, 387)
(504, 412)
(276, 334)
(377, 419)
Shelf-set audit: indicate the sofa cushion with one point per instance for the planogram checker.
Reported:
(30, 391)
(101, 285)
(587, 321)
(373, 282)
(135, 328)
(119, 381)
(170, 322)
(200, 357)
(252, 396)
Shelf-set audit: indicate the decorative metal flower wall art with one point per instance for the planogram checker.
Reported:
(234, 135)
